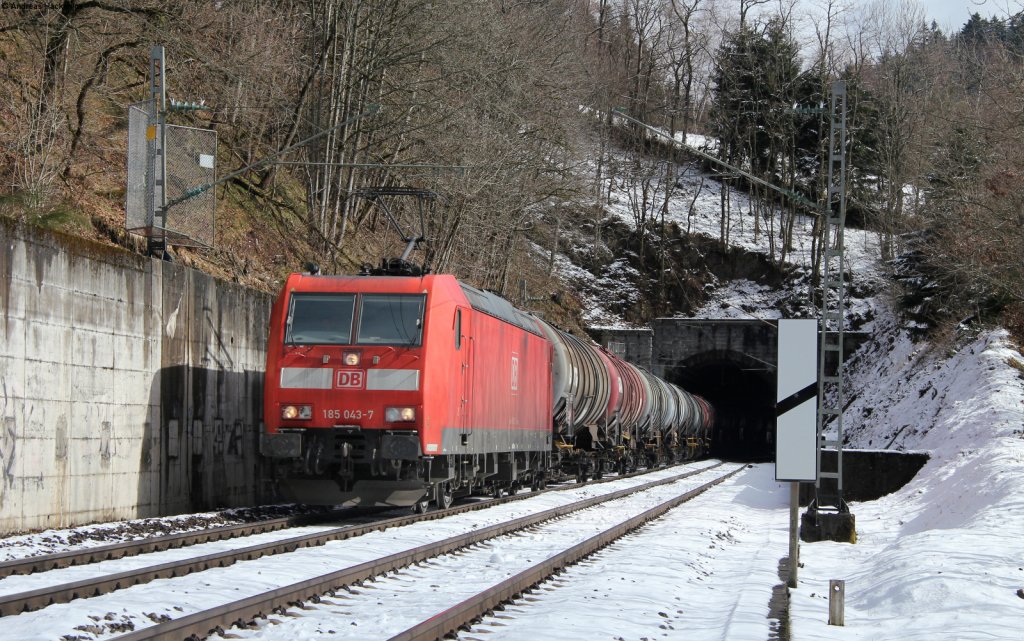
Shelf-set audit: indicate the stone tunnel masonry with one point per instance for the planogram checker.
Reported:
(731, 363)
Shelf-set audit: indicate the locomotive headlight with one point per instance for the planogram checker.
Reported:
(400, 414)
(350, 359)
(292, 412)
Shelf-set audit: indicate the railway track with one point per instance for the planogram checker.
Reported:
(35, 599)
(548, 525)
(120, 550)
(99, 553)
(201, 624)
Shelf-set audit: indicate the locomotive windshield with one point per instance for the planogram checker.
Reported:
(320, 319)
(390, 319)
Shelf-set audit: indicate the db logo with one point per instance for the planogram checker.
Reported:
(349, 378)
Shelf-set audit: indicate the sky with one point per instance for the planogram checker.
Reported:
(954, 13)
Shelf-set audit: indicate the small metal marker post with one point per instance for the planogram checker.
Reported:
(836, 602)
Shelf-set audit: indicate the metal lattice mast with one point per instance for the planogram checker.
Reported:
(829, 484)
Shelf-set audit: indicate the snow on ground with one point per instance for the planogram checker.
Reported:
(706, 570)
(423, 591)
(943, 558)
(743, 298)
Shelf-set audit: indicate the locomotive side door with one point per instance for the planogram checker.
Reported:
(464, 349)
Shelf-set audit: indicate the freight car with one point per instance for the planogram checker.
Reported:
(401, 390)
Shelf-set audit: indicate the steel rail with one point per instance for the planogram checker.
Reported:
(122, 549)
(31, 600)
(201, 624)
(464, 613)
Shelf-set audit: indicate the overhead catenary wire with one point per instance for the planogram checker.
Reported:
(373, 109)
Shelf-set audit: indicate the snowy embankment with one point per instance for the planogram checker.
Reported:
(943, 558)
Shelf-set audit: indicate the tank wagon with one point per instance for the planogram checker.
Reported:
(401, 390)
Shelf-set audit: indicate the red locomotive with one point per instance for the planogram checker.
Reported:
(401, 390)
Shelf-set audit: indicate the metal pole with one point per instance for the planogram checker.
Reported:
(794, 532)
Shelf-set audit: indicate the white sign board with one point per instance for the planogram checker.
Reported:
(796, 452)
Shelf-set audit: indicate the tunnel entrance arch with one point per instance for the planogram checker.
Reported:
(730, 362)
(741, 388)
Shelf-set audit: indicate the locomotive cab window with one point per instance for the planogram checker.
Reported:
(390, 319)
(320, 319)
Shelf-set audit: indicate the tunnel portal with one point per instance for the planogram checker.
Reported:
(742, 391)
(729, 362)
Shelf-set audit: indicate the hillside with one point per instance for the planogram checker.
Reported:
(480, 103)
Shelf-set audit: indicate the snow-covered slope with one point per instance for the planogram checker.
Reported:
(943, 558)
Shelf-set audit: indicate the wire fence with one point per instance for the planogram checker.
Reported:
(181, 208)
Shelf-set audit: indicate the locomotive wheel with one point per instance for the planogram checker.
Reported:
(444, 496)
(513, 489)
(496, 492)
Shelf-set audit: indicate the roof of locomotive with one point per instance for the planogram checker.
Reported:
(374, 284)
(486, 302)
(496, 306)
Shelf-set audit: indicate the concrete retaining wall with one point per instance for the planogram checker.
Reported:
(871, 474)
(129, 387)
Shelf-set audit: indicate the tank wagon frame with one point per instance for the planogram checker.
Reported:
(401, 390)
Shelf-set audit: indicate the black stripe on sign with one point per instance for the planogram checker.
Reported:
(796, 400)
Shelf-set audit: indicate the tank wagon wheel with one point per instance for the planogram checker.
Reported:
(514, 488)
(496, 491)
(581, 474)
(540, 482)
(599, 470)
(444, 496)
